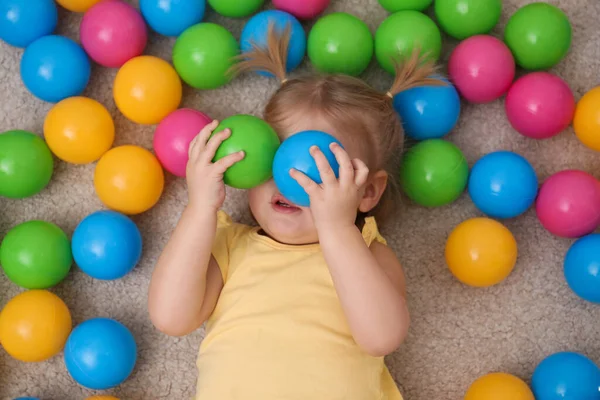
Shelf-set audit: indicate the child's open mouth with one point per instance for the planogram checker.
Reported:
(282, 205)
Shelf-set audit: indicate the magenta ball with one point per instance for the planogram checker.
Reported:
(173, 136)
(540, 105)
(568, 204)
(113, 32)
(303, 9)
(482, 68)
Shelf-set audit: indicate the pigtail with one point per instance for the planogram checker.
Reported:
(413, 72)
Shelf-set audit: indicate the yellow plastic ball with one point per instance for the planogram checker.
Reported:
(587, 119)
(79, 130)
(77, 5)
(481, 252)
(147, 89)
(129, 179)
(499, 386)
(34, 326)
(102, 398)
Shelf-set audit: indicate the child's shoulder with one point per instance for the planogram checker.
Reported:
(226, 223)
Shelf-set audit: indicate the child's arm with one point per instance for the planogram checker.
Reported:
(186, 282)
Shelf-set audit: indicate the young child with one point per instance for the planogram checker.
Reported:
(305, 305)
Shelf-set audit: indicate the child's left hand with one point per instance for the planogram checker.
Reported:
(334, 203)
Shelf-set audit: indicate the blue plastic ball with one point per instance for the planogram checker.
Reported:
(54, 68)
(503, 184)
(256, 29)
(100, 353)
(566, 375)
(27, 398)
(24, 21)
(294, 152)
(582, 267)
(172, 17)
(428, 112)
(107, 245)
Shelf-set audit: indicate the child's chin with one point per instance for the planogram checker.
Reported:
(296, 234)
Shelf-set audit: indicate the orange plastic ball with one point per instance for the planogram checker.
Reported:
(129, 179)
(147, 89)
(481, 252)
(34, 326)
(499, 386)
(77, 5)
(587, 119)
(79, 130)
(102, 398)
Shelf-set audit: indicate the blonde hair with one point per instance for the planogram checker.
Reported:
(350, 105)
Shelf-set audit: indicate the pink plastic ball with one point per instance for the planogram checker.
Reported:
(540, 105)
(173, 136)
(113, 32)
(303, 9)
(568, 204)
(482, 68)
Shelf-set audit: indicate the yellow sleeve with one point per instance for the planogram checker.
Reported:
(370, 232)
(224, 241)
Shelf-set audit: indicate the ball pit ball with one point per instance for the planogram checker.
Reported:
(568, 204)
(34, 326)
(78, 6)
(27, 164)
(55, 67)
(581, 267)
(481, 252)
(236, 8)
(172, 17)
(107, 245)
(100, 353)
(402, 5)
(147, 89)
(255, 33)
(503, 184)
(540, 105)
(586, 122)
(434, 173)
(258, 140)
(340, 43)
(294, 153)
(129, 179)
(482, 68)
(539, 36)
(465, 18)
(499, 386)
(173, 136)
(79, 130)
(102, 398)
(112, 33)
(402, 32)
(24, 21)
(566, 375)
(428, 112)
(204, 54)
(303, 9)
(27, 398)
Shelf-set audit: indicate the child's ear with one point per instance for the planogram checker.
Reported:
(374, 189)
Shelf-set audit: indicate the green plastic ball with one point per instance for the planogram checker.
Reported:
(434, 173)
(539, 36)
(401, 32)
(401, 5)
(203, 55)
(236, 8)
(340, 43)
(36, 255)
(465, 18)
(26, 164)
(258, 140)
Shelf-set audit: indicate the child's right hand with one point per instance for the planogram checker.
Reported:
(206, 189)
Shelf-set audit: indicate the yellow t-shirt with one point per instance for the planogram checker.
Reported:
(278, 331)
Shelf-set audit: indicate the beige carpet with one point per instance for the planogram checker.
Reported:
(458, 333)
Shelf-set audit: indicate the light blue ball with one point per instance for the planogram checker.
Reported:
(256, 29)
(27, 398)
(582, 267)
(100, 353)
(294, 153)
(24, 21)
(503, 184)
(566, 375)
(428, 112)
(107, 245)
(55, 67)
(172, 17)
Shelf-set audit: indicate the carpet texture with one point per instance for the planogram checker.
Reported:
(457, 334)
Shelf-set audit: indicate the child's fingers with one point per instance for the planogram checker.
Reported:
(213, 144)
(307, 184)
(361, 172)
(226, 162)
(199, 142)
(327, 175)
(346, 167)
